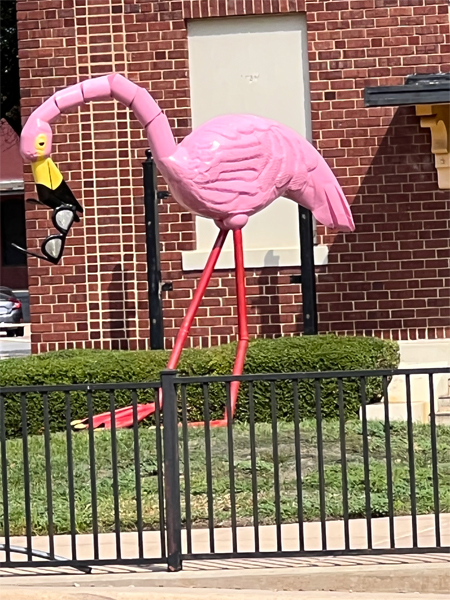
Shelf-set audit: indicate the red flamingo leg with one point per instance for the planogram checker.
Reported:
(124, 416)
(242, 328)
(242, 317)
(196, 300)
(198, 296)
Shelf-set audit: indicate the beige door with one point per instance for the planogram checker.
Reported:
(255, 65)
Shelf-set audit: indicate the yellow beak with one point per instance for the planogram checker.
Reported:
(51, 188)
(45, 172)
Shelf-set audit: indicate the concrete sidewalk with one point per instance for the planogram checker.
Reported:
(267, 535)
(281, 577)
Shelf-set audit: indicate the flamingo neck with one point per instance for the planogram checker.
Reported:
(159, 135)
(160, 139)
(145, 109)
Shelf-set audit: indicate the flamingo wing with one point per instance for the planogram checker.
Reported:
(236, 164)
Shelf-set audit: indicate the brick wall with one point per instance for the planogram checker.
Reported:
(390, 278)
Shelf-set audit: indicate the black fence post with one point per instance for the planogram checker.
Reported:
(153, 253)
(308, 277)
(171, 470)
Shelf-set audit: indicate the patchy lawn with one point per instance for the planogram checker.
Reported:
(221, 477)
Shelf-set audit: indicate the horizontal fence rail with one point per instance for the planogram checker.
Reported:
(311, 464)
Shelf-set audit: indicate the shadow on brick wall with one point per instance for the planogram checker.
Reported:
(392, 272)
(271, 307)
(116, 326)
(267, 306)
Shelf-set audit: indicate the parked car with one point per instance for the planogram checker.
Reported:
(10, 312)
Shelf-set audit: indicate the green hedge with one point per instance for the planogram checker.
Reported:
(283, 355)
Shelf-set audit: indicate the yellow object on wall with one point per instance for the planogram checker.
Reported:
(437, 118)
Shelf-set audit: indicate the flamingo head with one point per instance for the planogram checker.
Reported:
(35, 147)
(36, 140)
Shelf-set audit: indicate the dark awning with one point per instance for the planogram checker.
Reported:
(418, 89)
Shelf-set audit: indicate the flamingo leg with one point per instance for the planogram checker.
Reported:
(194, 306)
(242, 317)
(242, 329)
(124, 416)
(198, 296)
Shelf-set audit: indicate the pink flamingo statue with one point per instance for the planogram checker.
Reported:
(227, 170)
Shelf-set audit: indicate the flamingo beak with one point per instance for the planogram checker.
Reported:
(51, 188)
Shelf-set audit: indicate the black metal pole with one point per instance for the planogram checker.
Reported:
(308, 277)
(153, 250)
(171, 470)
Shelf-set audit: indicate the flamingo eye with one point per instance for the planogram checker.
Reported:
(41, 141)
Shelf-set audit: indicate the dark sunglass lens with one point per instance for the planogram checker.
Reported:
(53, 247)
(64, 219)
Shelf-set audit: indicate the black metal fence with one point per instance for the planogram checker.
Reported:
(313, 464)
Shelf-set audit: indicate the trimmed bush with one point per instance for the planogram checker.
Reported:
(282, 355)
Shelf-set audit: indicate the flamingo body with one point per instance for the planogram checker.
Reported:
(234, 166)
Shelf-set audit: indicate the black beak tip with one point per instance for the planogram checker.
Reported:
(58, 197)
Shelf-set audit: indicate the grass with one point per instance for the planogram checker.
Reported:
(221, 477)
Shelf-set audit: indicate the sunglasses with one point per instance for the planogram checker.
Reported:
(52, 248)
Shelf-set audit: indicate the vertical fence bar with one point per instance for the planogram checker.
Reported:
(26, 475)
(115, 477)
(187, 470)
(298, 467)
(160, 468)
(434, 462)
(320, 464)
(276, 465)
(6, 533)
(231, 467)
(137, 475)
(389, 479)
(251, 408)
(48, 477)
(343, 449)
(412, 470)
(365, 440)
(208, 457)
(70, 477)
(171, 471)
(92, 473)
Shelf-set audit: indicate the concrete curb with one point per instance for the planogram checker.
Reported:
(386, 579)
(419, 578)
